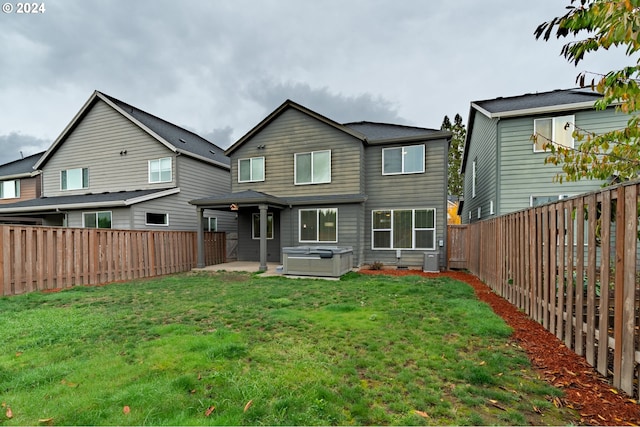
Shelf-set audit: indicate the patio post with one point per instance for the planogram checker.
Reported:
(200, 237)
(263, 237)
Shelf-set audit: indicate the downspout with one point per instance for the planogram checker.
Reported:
(498, 187)
(445, 211)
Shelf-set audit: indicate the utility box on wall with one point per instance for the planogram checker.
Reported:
(431, 262)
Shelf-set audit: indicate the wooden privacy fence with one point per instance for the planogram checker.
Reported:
(572, 266)
(41, 258)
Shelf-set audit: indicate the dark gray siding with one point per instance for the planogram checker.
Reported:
(294, 132)
(249, 248)
(412, 191)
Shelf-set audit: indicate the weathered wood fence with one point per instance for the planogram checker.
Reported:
(41, 258)
(572, 266)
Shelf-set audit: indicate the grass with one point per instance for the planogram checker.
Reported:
(239, 349)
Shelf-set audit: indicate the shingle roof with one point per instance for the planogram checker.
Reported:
(20, 167)
(383, 131)
(116, 198)
(180, 138)
(538, 100)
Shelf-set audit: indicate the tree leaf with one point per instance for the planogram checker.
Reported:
(126, 410)
(209, 411)
(248, 405)
(9, 412)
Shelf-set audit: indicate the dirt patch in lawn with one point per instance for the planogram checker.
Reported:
(595, 399)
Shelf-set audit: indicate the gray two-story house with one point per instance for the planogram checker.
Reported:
(300, 178)
(504, 168)
(116, 166)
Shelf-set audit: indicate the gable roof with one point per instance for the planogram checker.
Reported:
(22, 168)
(537, 103)
(286, 105)
(175, 138)
(366, 132)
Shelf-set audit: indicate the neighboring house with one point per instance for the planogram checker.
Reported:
(307, 180)
(18, 182)
(504, 170)
(116, 166)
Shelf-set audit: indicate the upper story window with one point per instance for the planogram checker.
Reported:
(313, 167)
(557, 130)
(74, 179)
(473, 177)
(96, 219)
(403, 160)
(10, 189)
(251, 170)
(160, 170)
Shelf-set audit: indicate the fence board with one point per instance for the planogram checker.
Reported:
(572, 265)
(41, 258)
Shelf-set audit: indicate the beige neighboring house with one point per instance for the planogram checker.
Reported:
(19, 181)
(117, 166)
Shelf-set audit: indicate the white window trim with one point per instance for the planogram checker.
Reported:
(555, 121)
(166, 215)
(413, 215)
(312, 182)
(473, 178)
(82, 173)
(402, 171)
(479, 212)
(317, 225)
(491, 210)
(253, 231)
(251, 159)
(160, 162)
(16, 189)
(96, 214)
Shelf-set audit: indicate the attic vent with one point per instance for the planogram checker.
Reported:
(212, 152)
(183, 141)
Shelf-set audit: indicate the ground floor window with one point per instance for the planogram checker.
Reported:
(404, 229)
(318, 225)
(255, 226)
(210, 224)
(96, 219)
(152, 218)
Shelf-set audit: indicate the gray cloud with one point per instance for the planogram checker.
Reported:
(14, 146)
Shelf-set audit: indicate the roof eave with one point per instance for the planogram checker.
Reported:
(204, 159)
(536, 110)
(414, 138)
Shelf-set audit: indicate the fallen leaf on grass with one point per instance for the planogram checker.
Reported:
(421, 413)
(248, 405)
(495, 404)
(9, 412)
(537, 410)
(46, 421)
(209, 411)
(126, 410)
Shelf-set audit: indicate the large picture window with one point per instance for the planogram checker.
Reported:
(404, 229)
(313, 168)
(96, 219)
(10, 189)
(557, 130)
(251, 170)
(160, 170)
(74, 179)
(403, 160)
(319, 225)
(255, 227)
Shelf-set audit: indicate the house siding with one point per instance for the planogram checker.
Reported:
(524, 172)
(29, 189)
(411, 191)
(483, 148)
(96, 143)
(295, 132)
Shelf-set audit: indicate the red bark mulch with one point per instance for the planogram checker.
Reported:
(597, 401)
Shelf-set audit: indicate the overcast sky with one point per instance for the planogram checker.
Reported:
(218, 67)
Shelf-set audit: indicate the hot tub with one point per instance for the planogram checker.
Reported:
(325, 261)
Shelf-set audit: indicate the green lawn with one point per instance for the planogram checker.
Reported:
(240, 349)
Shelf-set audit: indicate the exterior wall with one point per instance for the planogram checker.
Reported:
(96, 143)
(523, 172)
(295, 132)
(249, 248)
(482, 148)
(29, 189)
(411, 191)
